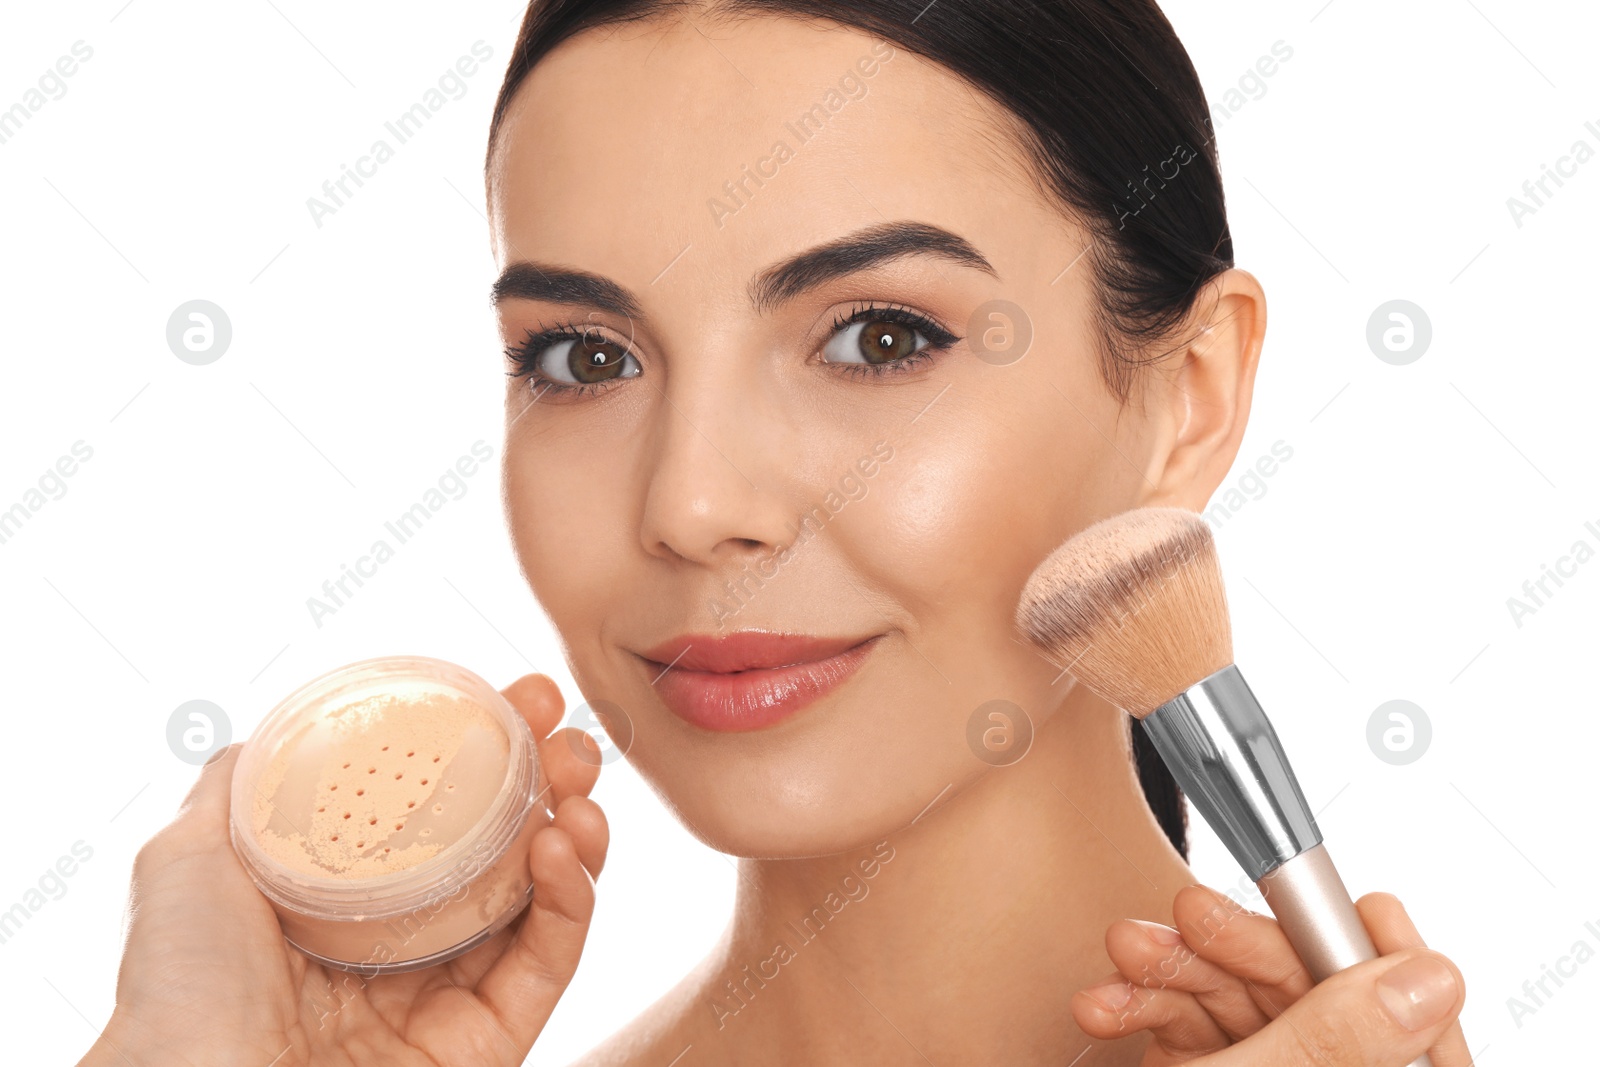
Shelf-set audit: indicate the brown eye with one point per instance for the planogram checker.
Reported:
(881, 336)
(881, 341)
(594, 359)
(571, 360)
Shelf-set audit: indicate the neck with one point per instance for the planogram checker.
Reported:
(966, 932)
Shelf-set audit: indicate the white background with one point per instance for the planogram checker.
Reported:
(1376, 565)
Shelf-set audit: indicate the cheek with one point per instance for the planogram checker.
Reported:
(968, 506)
(569, 529)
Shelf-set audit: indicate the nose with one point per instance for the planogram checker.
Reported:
(718, 483)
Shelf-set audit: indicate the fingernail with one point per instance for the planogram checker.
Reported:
(1218, 897)
(218, 754)
(1161, 935)
(1113, 997)
(1419, 992)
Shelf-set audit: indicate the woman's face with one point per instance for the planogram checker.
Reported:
(724, 444)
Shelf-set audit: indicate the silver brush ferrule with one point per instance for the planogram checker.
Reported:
(1219, 745)
(1224, 753)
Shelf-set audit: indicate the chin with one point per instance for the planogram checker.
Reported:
(762, 820)
(858, 765)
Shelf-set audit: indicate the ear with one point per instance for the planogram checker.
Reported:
(1201, 395)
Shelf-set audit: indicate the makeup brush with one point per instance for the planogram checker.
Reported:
(1134, 607)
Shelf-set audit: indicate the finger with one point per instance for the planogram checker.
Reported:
(586, 824)
(1155, 956)
(538, 699)
(1386, 920)
(201, 823)
(1382, 1013)
(1249, 946)
(569, 769)
(1180, 1027)
(522, 987)
(1392, 930)
(571, 763)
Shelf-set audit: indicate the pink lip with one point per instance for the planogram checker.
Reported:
(750, 679)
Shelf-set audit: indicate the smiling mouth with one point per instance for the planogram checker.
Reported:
(751, 679)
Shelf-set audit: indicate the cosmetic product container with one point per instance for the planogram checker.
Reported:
(385, 810)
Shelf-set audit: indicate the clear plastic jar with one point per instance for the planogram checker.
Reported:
(385, 809)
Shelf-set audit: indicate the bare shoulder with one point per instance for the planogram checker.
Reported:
(661, 1033)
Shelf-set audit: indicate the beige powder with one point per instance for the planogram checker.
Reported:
(379, 784)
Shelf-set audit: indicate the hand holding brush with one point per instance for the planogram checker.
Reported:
(1135, 609)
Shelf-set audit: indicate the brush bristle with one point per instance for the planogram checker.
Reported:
(1133, 607)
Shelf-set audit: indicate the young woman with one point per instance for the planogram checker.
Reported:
(825, 323)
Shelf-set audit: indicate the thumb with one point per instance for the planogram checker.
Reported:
(523, 985)
(1382, 1013)
(201, 823)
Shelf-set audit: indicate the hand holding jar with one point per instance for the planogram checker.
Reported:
(411, 935)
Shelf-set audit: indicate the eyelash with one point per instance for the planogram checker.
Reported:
(526, 354)
(939, 339)
(526, 357)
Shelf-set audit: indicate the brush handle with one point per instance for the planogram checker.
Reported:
(1224, 754)
(1314, 909)
(1315, 912)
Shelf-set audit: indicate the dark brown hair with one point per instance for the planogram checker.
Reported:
(1109, 111)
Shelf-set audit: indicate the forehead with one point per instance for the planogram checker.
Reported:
(631, 146)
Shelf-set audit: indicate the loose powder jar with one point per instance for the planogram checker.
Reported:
(385, 809)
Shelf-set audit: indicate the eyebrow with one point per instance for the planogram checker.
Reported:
(773, 286)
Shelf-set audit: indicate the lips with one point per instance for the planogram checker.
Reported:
(747, 680)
